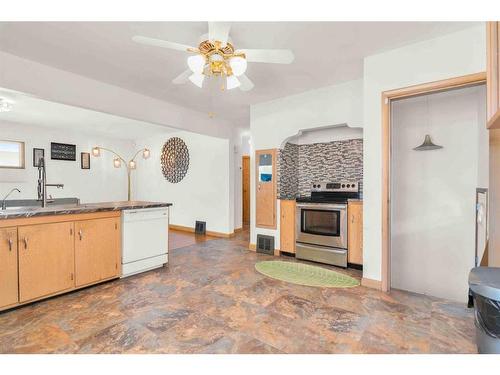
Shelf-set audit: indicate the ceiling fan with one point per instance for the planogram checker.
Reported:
(217, 57)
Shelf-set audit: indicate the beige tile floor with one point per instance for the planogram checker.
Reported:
(211, 300)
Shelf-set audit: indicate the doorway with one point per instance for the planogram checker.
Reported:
(245, 183)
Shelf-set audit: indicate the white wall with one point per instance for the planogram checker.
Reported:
(433, 192)
(101, 183)
(203, 194)
(329, 134)
(449, 56)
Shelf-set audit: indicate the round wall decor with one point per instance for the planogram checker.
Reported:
(174, 160)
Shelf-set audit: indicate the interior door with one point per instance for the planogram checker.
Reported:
(245, 183)
(46, 259)
(8, 267)
(97, 250)
(265, 195)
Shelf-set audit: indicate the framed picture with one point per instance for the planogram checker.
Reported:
(38, 153)
(85, 160)
(62, 151)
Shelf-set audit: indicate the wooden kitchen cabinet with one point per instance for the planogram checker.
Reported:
(97, 250)
(46, 259)
(265, 194)
(493, 74)
(8, 267)
(355, 233)
(287, 225)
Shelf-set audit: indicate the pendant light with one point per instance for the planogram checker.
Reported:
(427, 145)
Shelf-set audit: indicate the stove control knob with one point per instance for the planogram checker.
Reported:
(348, 185)
(343, 185)
(314, 186)
(319, 186)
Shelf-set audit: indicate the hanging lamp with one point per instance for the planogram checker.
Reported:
(427, 145)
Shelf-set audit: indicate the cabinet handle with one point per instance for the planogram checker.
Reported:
(352, 219)
(25, 240)
(80, 234)
(10, 243)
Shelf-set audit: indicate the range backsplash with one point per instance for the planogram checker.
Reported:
(300, 165)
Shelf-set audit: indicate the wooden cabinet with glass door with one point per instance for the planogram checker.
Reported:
(265, 194)
(493, 74)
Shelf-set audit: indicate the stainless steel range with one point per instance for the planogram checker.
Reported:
(322, 222)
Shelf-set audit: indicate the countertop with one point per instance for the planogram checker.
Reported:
(26, 212)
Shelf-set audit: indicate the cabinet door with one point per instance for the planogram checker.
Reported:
(97, 250)
(287, 225)
(8, 267)
(46, 259)
(355, 233)
(265, 195)
(493, 74)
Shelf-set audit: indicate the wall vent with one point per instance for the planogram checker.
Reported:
(200, 227)
(265, 244)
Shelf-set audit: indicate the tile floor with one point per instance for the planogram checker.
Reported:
(211, 300)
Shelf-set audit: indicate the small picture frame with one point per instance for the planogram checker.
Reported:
(38, 153)
(85, 160)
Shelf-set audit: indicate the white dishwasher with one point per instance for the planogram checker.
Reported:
(144, 239)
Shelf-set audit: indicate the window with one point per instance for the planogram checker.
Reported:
(11, 154)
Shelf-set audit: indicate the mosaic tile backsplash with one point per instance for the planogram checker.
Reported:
(300, 165)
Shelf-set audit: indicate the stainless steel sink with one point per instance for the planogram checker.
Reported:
(33, 204)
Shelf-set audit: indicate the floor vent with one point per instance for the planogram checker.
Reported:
(265, 244)
(200, 227)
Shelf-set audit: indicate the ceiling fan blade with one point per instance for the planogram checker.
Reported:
(273, 56)
(161, 43)
(219, 31)
(245, 83)
(182, 78)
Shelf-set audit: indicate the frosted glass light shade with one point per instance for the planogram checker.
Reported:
(96, 151)
(132, 164)
(238, 65)
(197, 79)
(146, 153)
(117, 163)
(232, 82)
(196, 63)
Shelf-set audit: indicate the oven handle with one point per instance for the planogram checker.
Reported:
(323, 206)
(336, 250)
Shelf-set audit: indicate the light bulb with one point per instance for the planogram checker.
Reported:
(196, 63)
(197, 79)
(232, 82)
(146, 153)
(117, 163)
(238, 65)
(96, 151)
(132, 164)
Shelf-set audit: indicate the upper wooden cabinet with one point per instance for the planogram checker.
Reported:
(265, 183)
(97, 250)
(8, 267)
(287, 225)
(493, 74)
(46, 259)
(355, 233)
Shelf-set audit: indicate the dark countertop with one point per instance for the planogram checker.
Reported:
(26, 212)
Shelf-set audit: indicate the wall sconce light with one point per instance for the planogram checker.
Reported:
(118, 160)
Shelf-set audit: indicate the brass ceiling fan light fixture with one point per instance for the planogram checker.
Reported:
(217, 57)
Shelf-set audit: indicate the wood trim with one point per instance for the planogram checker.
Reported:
(252, 247)
(494, 122)
(17, 222)
(192, 230)
(492, 71)
(387, 96)
(370, 283)
(237, 230)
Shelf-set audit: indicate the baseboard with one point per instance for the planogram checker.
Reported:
(236, 230)
(208, 233)
(252, 247)
(370, 283)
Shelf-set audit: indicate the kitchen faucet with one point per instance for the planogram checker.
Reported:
(4, 204)
(42, 183)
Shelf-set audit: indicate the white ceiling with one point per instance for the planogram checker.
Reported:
(326, 53)
(29, 110)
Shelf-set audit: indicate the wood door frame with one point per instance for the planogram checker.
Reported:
(387, 97)
(242, 190)
(271, 151)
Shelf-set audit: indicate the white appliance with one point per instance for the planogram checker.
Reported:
(144, 239)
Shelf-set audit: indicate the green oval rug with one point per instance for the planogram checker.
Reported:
(305, 274)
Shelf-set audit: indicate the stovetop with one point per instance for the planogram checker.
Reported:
(331, 193)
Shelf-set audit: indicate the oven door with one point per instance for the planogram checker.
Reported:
(322, 224)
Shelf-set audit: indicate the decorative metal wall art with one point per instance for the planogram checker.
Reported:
(174, 160)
